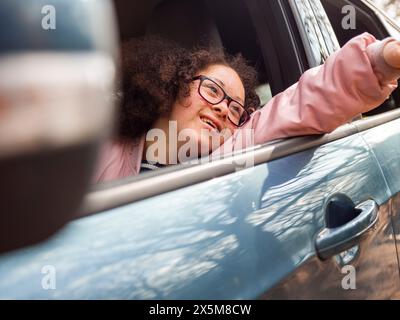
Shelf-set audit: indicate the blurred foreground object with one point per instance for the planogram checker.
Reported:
(57, 75)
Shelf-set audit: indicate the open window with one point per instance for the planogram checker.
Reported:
(248, 27)
(367, 20)
(213, 24)
(240, 26)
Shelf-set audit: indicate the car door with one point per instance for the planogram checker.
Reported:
(212, 231)
(324, 40)
(240, 235)
(383, 134)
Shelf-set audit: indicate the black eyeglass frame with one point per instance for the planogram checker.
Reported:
(225, 96)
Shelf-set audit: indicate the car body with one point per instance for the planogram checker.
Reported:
(210, 231)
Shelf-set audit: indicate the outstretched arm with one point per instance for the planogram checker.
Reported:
(355, 79)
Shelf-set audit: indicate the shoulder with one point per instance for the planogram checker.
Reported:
(117, 159)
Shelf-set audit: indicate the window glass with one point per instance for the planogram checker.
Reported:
(368, 20)
(208, 25)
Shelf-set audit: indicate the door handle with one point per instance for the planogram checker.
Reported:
(334, 240)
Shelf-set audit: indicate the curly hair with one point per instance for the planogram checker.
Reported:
(156, 72)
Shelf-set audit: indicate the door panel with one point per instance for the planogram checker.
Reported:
(374, 262)
(233, 237)
(384, 141)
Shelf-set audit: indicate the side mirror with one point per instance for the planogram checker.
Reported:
(57, 76)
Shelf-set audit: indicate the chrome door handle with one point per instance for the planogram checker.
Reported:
(332, 241)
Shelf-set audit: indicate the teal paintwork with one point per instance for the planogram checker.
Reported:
(385, 145)
(232, 237)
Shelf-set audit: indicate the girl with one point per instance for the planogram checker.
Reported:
(213, 95)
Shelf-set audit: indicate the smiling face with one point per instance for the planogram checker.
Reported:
(203, 118)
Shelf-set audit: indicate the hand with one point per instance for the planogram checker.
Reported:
(391, 54)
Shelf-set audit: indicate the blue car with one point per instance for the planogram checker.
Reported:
(316, 217)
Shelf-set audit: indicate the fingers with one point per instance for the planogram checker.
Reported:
(391, 54)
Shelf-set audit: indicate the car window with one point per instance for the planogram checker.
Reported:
(367, 20)
(207, 24)
(264, 92)
(236, 29)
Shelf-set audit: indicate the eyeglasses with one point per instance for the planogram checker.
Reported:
(212, 92)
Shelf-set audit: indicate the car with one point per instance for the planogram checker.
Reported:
(315, 217)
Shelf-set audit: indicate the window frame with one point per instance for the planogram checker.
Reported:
(113, 194)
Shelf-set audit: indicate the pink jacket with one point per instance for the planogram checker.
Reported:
(353, 80)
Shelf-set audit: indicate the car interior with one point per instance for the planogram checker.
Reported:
(209, 24)
(194, 24)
